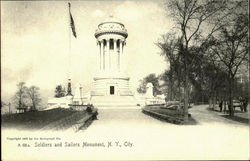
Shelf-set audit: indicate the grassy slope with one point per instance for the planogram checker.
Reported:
(169, 112)
(160, 110)
(34, 120)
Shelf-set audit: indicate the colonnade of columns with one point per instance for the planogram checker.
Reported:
(108, 47)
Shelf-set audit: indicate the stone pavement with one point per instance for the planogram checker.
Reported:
(213, 137)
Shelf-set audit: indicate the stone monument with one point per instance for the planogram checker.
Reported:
(111, 85)
(149, 91)
(78, 99)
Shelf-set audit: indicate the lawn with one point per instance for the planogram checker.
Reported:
(166, 111)
(34, 119)
(168, 114)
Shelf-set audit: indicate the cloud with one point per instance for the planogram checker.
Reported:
(97, 13)
(128, 11)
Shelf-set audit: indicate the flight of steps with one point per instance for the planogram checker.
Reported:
(109, 102)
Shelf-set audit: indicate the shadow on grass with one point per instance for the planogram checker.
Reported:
(191, 121)
(217, 110)
(237, 118)
(234, 118)
(210, 109)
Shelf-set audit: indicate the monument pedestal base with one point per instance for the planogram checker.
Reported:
(112, 92)
(117, 102)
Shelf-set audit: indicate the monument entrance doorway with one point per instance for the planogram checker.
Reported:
(112, 90)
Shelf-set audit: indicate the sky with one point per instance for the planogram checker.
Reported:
(35, 42)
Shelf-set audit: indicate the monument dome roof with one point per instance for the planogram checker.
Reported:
(111, 25)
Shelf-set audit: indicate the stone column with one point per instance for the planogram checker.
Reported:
(120, 56)
(115, 56)
(99, 54)
(102, 56)
(124, 56)
(108, 55)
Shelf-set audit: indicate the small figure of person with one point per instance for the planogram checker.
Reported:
(245, 105)
(220, 105)
(89, 108)
(225, 107)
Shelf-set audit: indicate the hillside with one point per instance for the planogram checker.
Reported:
(34, 120)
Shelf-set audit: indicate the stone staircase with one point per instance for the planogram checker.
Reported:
(113, 102)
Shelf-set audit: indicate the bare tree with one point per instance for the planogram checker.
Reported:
(191, 17)
(34, 95)
(232, 46)
(169, 46)
(20, 97)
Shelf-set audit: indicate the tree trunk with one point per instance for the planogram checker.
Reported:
(179, 88)
(210, 101)
(231, 110)
(170, 90)
(214, 100)
(186, 101)
(186, 91)
(202, 97)
(34, 106)
(186, 74)
(225, 103)
(20, 101)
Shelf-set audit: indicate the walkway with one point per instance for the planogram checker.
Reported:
(134, 135)
(214, 137)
